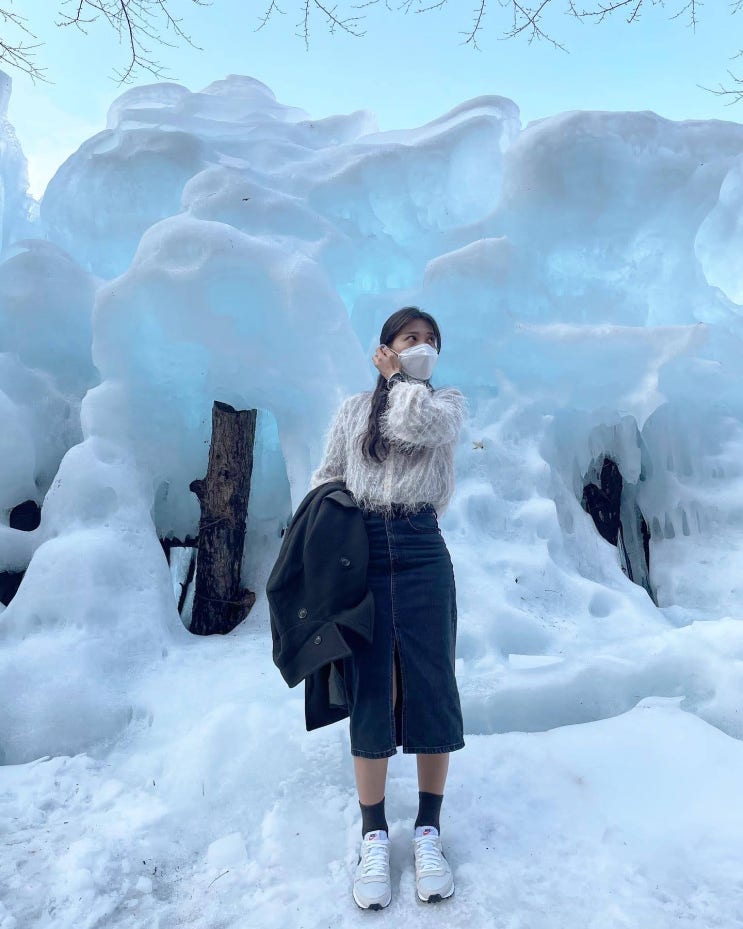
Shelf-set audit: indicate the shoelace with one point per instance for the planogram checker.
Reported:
(428, 853)
(374, 859)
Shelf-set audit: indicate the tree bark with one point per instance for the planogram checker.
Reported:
(220, 603)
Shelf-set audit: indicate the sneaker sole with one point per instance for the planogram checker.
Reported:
(371, 906)
(435, 898)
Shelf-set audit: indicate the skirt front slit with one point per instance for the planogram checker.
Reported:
(415, 621)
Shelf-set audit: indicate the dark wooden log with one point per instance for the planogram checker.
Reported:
(220, 603)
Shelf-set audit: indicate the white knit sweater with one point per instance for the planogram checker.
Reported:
(422, 428)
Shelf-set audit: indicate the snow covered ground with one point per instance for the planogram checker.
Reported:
(220, 811)
(222, 246)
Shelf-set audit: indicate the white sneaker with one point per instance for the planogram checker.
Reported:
(433, 877)
(372, 889)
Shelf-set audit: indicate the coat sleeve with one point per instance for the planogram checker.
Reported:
(416, 417)
(333, 467)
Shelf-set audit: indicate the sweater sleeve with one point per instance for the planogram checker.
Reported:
(333, 467)
(416, 417)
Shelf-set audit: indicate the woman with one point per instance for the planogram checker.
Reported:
(394, 449)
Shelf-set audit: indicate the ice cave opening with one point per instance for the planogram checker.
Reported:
(611, 501)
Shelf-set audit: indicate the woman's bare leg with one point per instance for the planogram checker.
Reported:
(371, 776)
(371, 773)
(432, 771)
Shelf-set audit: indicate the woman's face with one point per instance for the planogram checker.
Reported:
(415, 332)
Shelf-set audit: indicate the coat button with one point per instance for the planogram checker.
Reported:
(345, 562)
(318, 639)
(302, 614)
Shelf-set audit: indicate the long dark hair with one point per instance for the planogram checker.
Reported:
(374, 445)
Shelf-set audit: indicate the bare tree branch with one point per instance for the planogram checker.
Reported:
(333, 20)
(20, 55)
(348, 24)
(734, 93)
(528, 20)
(142, 25)
(691, 6)
(139, 24)
(604, 10)
(471, 36)
(440, 4)
(269, 12)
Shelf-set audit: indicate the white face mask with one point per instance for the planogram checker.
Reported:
(418, 361)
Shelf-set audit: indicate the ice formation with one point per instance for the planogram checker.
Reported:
(220, 245)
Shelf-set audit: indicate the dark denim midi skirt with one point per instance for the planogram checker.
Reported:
(415, 625)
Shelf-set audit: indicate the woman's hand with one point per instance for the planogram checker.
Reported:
(386, 362)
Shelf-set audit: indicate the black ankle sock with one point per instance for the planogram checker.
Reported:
(429, 808)
(373, 818)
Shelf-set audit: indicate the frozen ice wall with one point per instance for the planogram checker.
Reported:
(46, 301)
(221, 245)
(15, 203)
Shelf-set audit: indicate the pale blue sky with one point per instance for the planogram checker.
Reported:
(407, 69)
